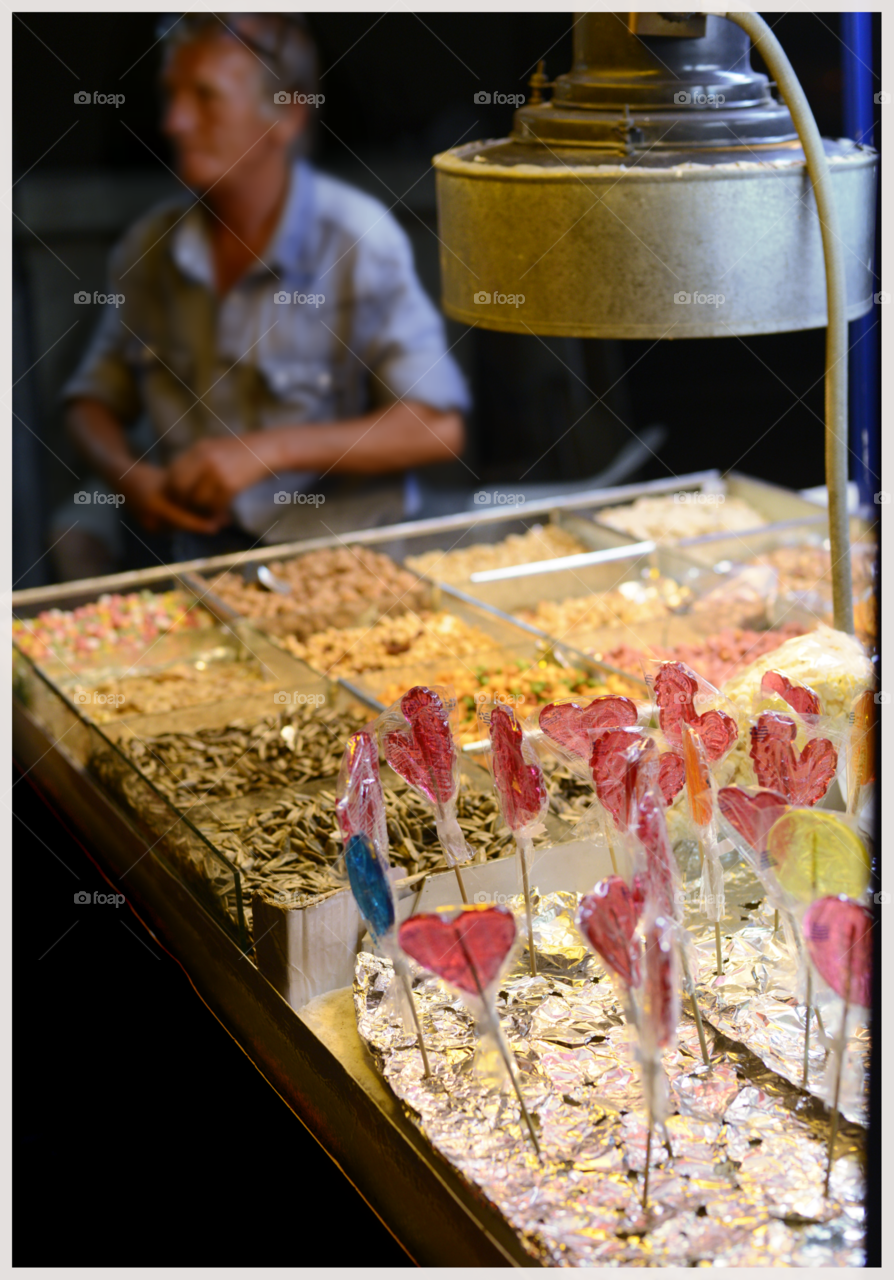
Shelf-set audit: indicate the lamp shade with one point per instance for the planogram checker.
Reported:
(657, 195)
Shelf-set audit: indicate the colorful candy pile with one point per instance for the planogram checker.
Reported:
(717, 657)
(109, 623)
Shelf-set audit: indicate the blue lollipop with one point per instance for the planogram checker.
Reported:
(375, 901)
(370, 886)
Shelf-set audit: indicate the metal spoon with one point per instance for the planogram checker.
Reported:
(259, 574)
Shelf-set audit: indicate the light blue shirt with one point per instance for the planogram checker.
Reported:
(357, 332)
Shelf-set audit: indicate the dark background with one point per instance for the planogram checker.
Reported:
(398, 88)
(143, 1135)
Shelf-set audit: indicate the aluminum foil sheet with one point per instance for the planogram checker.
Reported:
(760, 999)
(736, 1176)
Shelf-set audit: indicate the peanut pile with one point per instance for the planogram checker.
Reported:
(333, 587)
(398, 641)
(540, 542)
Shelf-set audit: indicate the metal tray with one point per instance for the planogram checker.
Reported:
(210, 875)
(776, 504)
(724, 552)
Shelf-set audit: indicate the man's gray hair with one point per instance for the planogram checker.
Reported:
(281, 42)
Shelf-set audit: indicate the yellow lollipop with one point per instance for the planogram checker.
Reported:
(816, 855)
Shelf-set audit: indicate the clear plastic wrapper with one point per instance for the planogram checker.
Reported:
(360, 802)
(683, 698)
(566, 726)
(470, 948)
(416, 739)
(833, 665)
(794, 746)
(745, 818)
(700, 797)
(521, 787)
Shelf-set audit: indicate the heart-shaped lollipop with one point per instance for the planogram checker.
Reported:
(671, 774)
(837, 932)
(751, 813)
(802, 779)
(607, 919)
(568, 724)
(619, 757)
(609, 764)
(798, 696)
(676, 688)
(519, 781)
(423, 754)
(467, 951)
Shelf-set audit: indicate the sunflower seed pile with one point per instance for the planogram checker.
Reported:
(290, 850)
(293, 747)
(569, 795)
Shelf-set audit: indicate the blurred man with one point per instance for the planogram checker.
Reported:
(273, 328)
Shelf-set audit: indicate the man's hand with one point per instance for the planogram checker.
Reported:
(143, 487)
(101, 438)
(209, 475)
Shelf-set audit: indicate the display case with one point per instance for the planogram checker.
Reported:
(275, 962)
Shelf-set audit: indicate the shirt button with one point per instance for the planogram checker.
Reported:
(324, 381)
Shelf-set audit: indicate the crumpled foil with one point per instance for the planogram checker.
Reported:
(759, 1000)
(741, 1183)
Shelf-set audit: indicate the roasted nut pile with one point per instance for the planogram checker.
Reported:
(333, 587)
(684, 515)
(806, 572)
(809, 568)
(540, 542)
(392, 642)
(184, 684)
(290, 850)
(716, 658)
(631, 602)
(292, 748)
(525, 683)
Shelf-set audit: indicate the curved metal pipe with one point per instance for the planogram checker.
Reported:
(836, 448)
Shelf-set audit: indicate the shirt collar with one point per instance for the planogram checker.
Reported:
(285, 256)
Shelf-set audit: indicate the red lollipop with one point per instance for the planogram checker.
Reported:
(607, 919)
(519, 782)
(837, 932)
(799, 697)
(802, 779)
(751, 813)
(671, 774)
(360, 808)
(661, 1003)
(568, 724)
(675, 691)
(661, 867)
(609, 764)
(424, 754)
(617, 760)
(468, 951)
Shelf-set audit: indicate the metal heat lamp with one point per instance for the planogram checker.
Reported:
(661, 178)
